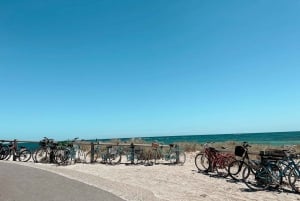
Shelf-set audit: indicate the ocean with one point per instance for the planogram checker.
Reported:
(271, 138)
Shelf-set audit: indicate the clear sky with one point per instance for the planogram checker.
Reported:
(125, 68)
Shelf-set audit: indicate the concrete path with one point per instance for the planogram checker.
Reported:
(20, 183)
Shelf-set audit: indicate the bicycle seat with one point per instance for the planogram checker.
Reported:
(171, 145)
(212, 149)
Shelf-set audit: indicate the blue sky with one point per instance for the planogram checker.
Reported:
(110, 69)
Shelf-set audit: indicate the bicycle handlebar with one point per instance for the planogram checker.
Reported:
(246, 145)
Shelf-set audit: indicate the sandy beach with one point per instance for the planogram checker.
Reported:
(160, 182)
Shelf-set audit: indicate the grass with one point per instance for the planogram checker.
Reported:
(230, 145)
(194, 147)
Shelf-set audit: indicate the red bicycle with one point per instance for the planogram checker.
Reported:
(211, 160)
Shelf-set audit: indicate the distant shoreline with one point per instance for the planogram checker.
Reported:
(267, 138)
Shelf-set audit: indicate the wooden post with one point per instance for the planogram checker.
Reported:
(15, 148)
(177, 153)
(92, 152)
(132, 153)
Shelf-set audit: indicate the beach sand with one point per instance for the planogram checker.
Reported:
(161, 182)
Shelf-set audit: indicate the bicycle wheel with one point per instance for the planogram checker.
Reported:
(115, 158)
(276, 175)
(80, 156)
(294, 179)
(88, 157)
(10, 153)
(205, 162)
(4, 152)
(25, 155)
(172, 158)
(181, 158)
(41, 156)
(235, 170)
(256, 179)
(61, 156)
(222, 166)
(198, 162)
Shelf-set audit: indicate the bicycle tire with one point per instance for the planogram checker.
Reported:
(256, 179)
(10, 153)
(235, 170)
(41, 156)
(181, 158)
(276, 175)
(61, 156)
(198, 162)
(222, 165)
(294, 179)
(205, 162)
(88, 157)
(24, 155)
(80, 156)
(4, 152)
(115, 159)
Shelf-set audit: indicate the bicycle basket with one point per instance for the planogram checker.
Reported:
(42, 143)
(239, 151)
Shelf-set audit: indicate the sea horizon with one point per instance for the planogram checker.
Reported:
(270, 138)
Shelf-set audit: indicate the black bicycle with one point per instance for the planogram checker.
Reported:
(46, 151)
(236, 167)
(22, 154)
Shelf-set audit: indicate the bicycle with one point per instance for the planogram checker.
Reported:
(97, 154)
(69, 153)
(210, 160)
(173, 155)
(113, 155)
(236, 167)
(267, 173)
(46, 152)
(294, 171)
(134, 155)
(22, 154)
(288, 163)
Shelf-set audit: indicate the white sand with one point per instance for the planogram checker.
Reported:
(161, 182)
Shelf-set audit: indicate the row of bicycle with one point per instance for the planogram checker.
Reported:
(74, 151)
(275, 169)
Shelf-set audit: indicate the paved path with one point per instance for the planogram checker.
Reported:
(20, 183)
